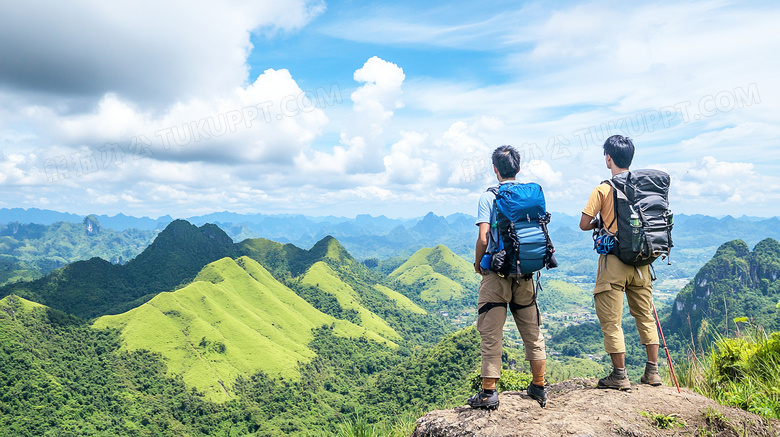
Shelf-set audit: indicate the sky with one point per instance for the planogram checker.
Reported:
(385, 108)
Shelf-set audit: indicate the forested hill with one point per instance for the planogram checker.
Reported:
(735, 284)
(95, 287)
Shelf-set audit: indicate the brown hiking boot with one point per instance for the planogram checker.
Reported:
(617, 380)
(651, 375)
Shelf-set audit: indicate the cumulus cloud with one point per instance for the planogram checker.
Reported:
(143, 51)
(362, 143)
(268, 122)
(381, 93)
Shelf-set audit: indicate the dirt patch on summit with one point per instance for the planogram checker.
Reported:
(577, 408)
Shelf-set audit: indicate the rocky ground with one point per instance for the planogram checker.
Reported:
(577, 408)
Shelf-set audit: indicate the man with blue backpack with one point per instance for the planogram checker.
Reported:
(512, 245)
(632, 225)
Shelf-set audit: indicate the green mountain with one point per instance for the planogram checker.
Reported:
(437, 274)
(234, 319)
(400, 300)
(96, 287)
(735, 283)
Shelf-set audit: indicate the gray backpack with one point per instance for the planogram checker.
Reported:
(644, 221)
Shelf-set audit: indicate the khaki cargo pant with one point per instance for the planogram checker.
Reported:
(613, 280)
(490, 324)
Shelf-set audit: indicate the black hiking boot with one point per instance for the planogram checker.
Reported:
(617, 380)
(651, 375)
(484, 400)
(537, 393)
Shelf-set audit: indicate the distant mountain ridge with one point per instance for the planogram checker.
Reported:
(696, 237)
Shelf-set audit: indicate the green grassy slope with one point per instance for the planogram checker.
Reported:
(438, 273)
(401, 300)
(321, 276)
(18, 302)
(234, 319)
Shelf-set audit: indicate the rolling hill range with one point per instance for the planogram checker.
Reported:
(696, 238)
(234, 319)
(60, 375)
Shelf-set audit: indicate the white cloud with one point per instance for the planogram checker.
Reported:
(381, 94)
(143, 51)
(362, 143)
(268, 122)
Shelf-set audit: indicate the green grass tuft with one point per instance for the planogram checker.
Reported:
(665, 421)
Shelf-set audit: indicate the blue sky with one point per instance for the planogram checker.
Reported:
(341, 108)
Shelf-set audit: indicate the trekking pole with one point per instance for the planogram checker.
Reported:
(666, 349)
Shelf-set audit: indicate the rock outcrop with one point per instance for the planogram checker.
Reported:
(576, 408)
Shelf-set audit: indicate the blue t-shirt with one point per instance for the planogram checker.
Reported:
(486, 214)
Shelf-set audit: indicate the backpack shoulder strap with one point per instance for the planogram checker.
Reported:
(616, 194)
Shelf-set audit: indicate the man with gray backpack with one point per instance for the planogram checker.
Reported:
(512, 245)
(632, 225)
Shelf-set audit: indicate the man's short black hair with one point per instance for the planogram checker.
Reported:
(620, 149)
(506, 159)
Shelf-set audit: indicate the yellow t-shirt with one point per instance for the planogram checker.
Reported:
(602, 201)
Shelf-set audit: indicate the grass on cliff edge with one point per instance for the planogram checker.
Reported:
(743, 371)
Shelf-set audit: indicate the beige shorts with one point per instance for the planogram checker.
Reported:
(613, 280)
(490, 324)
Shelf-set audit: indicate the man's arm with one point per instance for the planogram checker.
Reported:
(587, 222)
(482, 243)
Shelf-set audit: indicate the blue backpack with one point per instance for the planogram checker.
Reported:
(524, 245)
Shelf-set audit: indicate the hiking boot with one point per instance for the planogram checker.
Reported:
(537, 393)
(484, 400)
(617, 380)
(651, 375)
